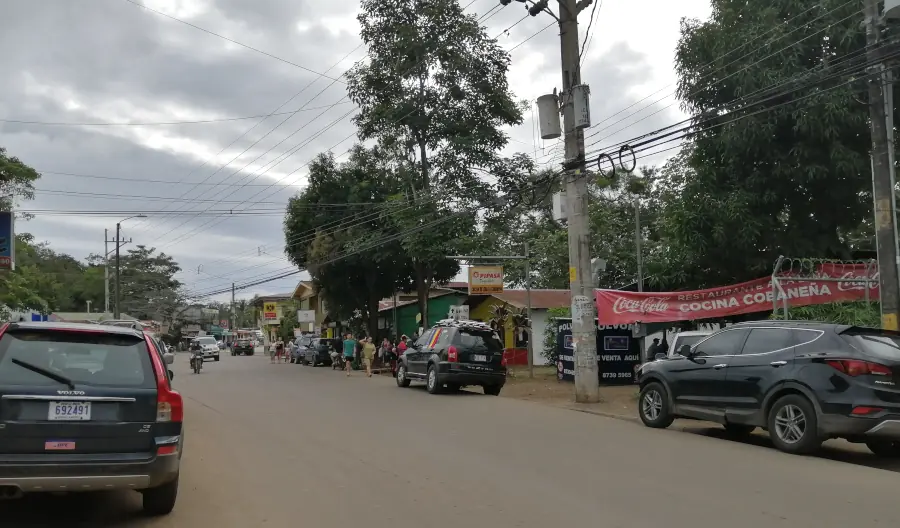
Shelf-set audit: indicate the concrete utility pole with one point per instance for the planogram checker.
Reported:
(584, 328)
(106, 271)
(882, 172)
(118, 283)
(233, 311)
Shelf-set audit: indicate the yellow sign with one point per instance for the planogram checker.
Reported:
(573, 274)
(270, 311)
(484, 280)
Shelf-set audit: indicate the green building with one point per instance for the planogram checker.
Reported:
(408, 316)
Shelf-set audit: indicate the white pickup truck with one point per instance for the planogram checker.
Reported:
(688, 337)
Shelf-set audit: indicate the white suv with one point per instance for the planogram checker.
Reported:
(209, 346)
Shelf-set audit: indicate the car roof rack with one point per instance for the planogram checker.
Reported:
(463, 323)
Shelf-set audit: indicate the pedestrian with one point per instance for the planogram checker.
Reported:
(399, 350)
(368, 355)
(279, 350)
(653, 350)
(349, 350)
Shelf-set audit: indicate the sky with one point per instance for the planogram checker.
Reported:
(124, 111)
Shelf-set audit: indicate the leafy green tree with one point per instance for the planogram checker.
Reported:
(792, 175)
(16, 180)
(350, 250)
(435, 95)
(149, 289)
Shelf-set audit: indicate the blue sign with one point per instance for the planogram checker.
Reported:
(618, 354)
(7, 241)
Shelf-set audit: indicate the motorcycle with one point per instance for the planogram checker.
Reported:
(196, 361)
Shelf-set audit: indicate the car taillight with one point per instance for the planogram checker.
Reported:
(865, 411)
(855, 367)
(169, 405)
(452, 355)
(503, 361)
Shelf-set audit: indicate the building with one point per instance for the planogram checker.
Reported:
(307, 299)
(271, 309)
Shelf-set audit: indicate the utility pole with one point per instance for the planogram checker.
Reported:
(584, 328)
(233, 311)
(106, 271)
(530, 344)
(882, 173)
(639, 259)
(118, 283)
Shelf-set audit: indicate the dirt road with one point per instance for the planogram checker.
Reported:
(287, 445)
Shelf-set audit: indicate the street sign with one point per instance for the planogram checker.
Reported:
(306, 316)
(7, 240)
(270, 312)
(485, 280)
(460, 312)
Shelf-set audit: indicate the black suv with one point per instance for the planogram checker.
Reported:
(804, 382)
(455, 354)
(242, 347)
(87, 407)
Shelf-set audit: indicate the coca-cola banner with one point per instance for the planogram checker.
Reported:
(623, 307)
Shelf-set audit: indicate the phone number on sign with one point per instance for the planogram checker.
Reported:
(617, 374)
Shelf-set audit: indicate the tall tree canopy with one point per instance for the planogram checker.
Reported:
(780, 165)
(434, 93)
(149, 287)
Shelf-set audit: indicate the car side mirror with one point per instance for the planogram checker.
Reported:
(660, 356)
(171, 375)
(169, 358)
(685, 351)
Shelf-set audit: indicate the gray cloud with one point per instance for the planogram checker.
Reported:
(121, 62)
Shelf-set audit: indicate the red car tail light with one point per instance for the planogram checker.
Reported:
(503, 361)
(452, 355)
(864, 411)
(855, 367)
(169, 404)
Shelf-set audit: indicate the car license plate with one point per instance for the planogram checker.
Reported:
(69, 411)
(479, 357)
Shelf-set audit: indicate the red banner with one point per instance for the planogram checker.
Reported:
(623, 307)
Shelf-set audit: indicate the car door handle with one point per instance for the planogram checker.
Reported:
(778, 363)
(720, 366)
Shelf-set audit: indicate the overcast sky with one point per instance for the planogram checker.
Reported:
(79, 64)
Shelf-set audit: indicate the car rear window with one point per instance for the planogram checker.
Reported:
(687, 340)
(480, 340)
(874, 342)
(207, 341)
(86, 358)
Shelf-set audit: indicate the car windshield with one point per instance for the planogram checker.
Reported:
(85, 358)
(304, 341)
(478, 340)
(206, 341)
(874, 342)
(689, 340)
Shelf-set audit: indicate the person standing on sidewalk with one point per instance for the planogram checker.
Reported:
(368, 355)
(349, 351)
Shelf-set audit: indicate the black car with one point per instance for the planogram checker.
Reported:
(316, 351)
(87, 407)
(804, 382)
(242, 347)
(455, 354)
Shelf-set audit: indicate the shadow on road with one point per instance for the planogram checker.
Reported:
(837, 450)
(94, 510)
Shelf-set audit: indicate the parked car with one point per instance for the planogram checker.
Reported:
(221, 345)
(87, 407)
(455, 354)
(688, 337)
(209, 345)
(299, 351)
(317, 352)
(804, 382)
(243, 347)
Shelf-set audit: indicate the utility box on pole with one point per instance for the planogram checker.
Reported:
(548, 116)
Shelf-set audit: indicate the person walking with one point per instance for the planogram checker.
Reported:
(368, 353)
(349, 351)
(653, 350)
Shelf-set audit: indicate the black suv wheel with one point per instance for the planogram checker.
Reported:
(793, 425)
(654, 407)
(432, 382)
(160, 500)
(492, 390)
(402, 379)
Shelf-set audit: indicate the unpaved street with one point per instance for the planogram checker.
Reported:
(286, 445)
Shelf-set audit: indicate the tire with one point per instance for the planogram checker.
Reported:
(216, 357)
(314, 362)
(803, 437)
(884, 448)
(453, 387)
(492, 390)
(402, 380)
(432, 381)
(161, 499)
(654, 407)
(739, 430)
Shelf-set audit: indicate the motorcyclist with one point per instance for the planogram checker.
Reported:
(196, 352)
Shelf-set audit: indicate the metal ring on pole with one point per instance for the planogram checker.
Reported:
(612, 163)
(622, 150)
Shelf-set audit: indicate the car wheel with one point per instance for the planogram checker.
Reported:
(313, 362)
(739, 430)
(432, 383)
(492, 390)
(793, 425)
(884, 448)
(654, 407)
(453, 387)
(402, 379)
(216, 357)
(161, 499)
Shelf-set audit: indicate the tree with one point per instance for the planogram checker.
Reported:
(434, 93)
(351, 251)
(16, 180)
(785, 171)
(149, 289)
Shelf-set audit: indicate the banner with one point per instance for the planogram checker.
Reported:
(7, 240)
(485, 280)
(618, 353)
(623, 307)
(270, 312)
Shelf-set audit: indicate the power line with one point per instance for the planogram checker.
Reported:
(241, 44)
